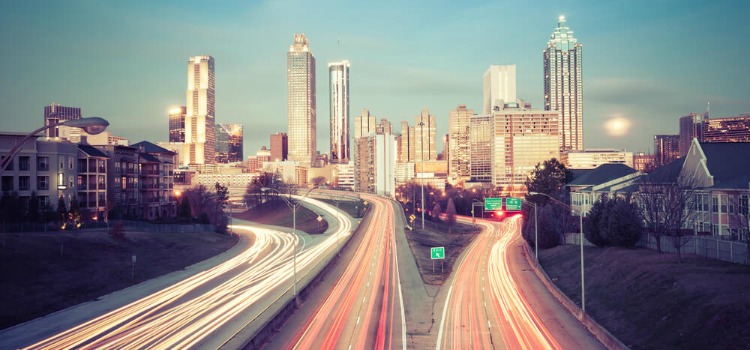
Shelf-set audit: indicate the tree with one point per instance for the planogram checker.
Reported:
(33, 214)
(254, 195)
(625, 223)
(549, 178)
(62, 210)
(436, 211)
(549, 228)
(594, 226)
(185, 212)
(221, 198)
(450, 214)
(318, 181)
(667, 198)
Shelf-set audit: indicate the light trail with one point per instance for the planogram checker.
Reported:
(485, 308)
(185, 314)
(361, 309)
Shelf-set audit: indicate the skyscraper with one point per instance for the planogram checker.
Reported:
(691, 126)
(200, 128)
(499, 84)
(731, 129)
(426, 133)
(666, 149)
(56, 113)
(407, 142)
(338, 89)
(364, 124)
(563, 85)
(300, 68)
(279, 147)
(229, 139)
(177, 124)
(459, 121)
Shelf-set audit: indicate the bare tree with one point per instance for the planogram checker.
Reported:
(667, 198)
(450, 214)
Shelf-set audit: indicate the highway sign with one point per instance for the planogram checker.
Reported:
(493, 203)
(512, 203)
(437, 253)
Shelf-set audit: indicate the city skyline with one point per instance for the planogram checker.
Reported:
(636, 65)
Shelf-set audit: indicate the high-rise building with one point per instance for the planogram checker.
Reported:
(522, 138)
(407, 143)
(593, 158)
(364, 124)
(691, 126)
(666, 149)
(338, 89)
(426, 134)
(480, 152)
(732, 129)
(200, 126)
(459, 146)
(279, 147)
(643, 162)
(300, 68)
(229, 142)
(375, 164)
(177, 124)
(563, 84)
(384, 127)
(56, 113)
(499, 85)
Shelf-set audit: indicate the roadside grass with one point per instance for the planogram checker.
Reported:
(436, 234)
(41, 273)
(278, 213)
(651, 301)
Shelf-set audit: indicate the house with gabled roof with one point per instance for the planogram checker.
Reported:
(609, 179)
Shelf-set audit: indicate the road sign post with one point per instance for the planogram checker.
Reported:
(437, 253)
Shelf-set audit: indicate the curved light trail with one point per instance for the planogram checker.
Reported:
(192, 312)
(365, 307)
(485, 307)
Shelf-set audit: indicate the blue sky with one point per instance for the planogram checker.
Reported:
(647, 61)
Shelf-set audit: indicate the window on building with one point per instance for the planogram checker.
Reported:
(24, 183)
(42, 163)
(70, 163)
(715, 204)
(43, 201)
(42, 182)
(723, 204)
(743, 207)
(24, 163)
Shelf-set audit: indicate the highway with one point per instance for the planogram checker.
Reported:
(204, 310)
(494, 301)
(363, 309)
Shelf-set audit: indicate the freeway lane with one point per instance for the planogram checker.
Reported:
(495, 302)
(364, 308)
(206, 309)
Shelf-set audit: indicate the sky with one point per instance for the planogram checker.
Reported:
(645, 63)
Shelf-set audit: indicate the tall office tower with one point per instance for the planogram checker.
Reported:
(426, 145)
(666, 149)
(732, 129)
(364, 124)
(643, 162)
(522, 138)
(279, 147)
(480, 147)
(177, 124)
(459, 148)
(56, 113)
(375, 164)
(563, 85)
(407, 143)
(200, 126)
(229, 138)
(338, 89)
(300, 70)
(691, 126)
(499, 84)
(384, 127)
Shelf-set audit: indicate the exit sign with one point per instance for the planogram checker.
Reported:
(437, 253)
(493, 203)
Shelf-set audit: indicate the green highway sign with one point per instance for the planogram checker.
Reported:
(493, 203)
(437, 253)
(512, 204)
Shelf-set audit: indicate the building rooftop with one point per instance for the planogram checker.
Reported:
(602, 174)
(728, 163)
(92, 151)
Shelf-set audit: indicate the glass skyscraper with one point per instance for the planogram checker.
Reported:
(338, 89)
(229, 139)
(200, 128)
(300, 68)
(563, 85)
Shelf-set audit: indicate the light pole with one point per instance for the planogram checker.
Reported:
(293, 207)
(421, 182)
(91, 125)
(580, 239)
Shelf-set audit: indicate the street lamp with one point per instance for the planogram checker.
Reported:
(580, 217)
(421, 138)
(293, 207)
(91, 125)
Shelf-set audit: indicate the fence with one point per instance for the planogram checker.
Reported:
(710, 247)
(129, 225)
